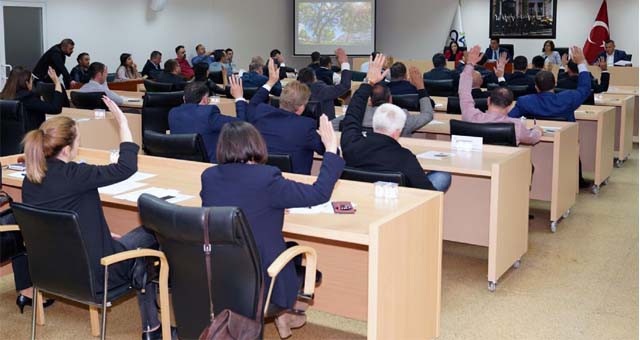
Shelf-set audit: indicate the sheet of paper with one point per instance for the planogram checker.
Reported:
(119, 188)
(140, 176)
(154, 191)
(439, 105)
(436, 122)
(436, 155)
(326, 208)
(550, 129)
(18, 175)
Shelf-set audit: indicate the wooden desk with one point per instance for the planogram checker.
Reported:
(128, 85)
(620, 76)
(555, 158)
(624, 123)
(382, 264)
(631, 91)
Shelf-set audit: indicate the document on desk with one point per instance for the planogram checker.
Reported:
(131, 100)
(436, 122)
(550, 129)
(439, 105)
(436, 155)
(18, 175)
(129, 184)
(169, 195)
(326, 208)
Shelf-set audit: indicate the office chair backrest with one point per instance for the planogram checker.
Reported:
(111, 77)
(58, 258)
(358, 76)
(188, 147)
(408, 102)
(313, 110)
(591, 100)
(45, 90)
(441, 87)
(629, 57)
(88, 100)
(360, 175)
(280, 161)
(235, 262)
(154, 86)
(13, 127)
(216, 77)
(491, 133)
(156, 107)
(508, 47)
(247, 92)
(275, 101)
(453, 105)
(519, 90)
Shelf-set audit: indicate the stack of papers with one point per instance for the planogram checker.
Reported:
(436, 155)
(126, 185)
(169, 195)
(326, 208)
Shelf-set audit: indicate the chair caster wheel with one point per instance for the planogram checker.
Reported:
(492, 286)
(517, 264)
(595, 189)
(619, 163)
(605, 182)
(566, 214)
(554, 226)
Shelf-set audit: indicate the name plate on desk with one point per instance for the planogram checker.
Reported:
(466, 143)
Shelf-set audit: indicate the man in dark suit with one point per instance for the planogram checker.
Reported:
(255, 78)
(440, 70)
(324, 72)
(380, 150)
(315, 61)
(152, 66)
(519, 77)
(611, 55)
(284, 129)
(327, 94)
(197, 116)
(399, 83)
(171, 74)
(80, 73)
(493, 52)
(569, 79)
(276, 55)
(537, 64)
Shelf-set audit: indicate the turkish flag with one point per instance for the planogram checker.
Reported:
(598, 35)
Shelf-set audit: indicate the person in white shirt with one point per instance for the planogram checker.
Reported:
(98, 83)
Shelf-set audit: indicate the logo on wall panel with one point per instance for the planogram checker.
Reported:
(458, 37)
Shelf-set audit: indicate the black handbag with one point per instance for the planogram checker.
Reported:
(11, 243)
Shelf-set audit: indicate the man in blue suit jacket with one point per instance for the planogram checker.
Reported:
(255, 78)
(546, 103)
(399, 83)
(611, 55)
(197, 116)
(284, 129)
(494, 51)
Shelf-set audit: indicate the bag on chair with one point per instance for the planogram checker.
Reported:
(227, 325)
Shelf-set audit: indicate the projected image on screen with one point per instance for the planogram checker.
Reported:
(325, 25)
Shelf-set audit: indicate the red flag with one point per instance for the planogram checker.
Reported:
(598, 35)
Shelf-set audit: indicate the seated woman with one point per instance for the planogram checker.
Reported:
(550, 56)
(243, 180)
(127, 70)
(19, 87)
(453, 53)
(53, 180)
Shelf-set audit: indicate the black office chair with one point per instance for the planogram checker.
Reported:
(88, 100)
(508, 47)
(492, 86)
(280, 161)
(59, 263)
(155, 110)
(520, 90)
(12, 127)
(629, 57)
(360, 175)
(313, 110)
(154, 86)
(216, 77)
(358, 76)
(237, 276)
(562, 50)
(188, 147)
(247, 92)
(491, 133)
(45, 90)
(274, 101)
(111, 77)
(591, 99)
(441, 88)
(408, 102)
(453, 105)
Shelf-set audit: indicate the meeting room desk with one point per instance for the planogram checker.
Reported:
(631, 91)
(382, 264)
(624, 123)
(555, 158)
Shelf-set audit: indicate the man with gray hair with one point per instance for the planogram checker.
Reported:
(380, 151)
(255, 77)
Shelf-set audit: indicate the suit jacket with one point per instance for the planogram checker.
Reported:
(571, 82)
(326, 94)
(203, 119)
(325, 75)
(253, 79)
(79, 75)
(532, 72)
(314, 66)
(35, 109)
(398, 87)
(617, 56)
(285, 132)
(55, 58)
(263, 195)
(519, 79)
(478, 93)
(548, 104)
(489, 53)
(374, 151)
(442, 73)
(151, 70)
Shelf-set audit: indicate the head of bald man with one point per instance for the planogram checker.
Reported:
(477, 80)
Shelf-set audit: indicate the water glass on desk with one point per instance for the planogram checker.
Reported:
(386, 190)
(214, 100)
(99, 113)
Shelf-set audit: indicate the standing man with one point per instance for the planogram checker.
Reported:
(181, 57)
(80, 73)
(55, 58)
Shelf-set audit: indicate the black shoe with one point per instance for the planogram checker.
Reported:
(22, 301)
(157, 334)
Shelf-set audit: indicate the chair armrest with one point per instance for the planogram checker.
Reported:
(9, 227)
(311, 257)
(131, 254)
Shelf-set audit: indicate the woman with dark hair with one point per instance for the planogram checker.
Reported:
(128, 69)
(243, 180)
(453, 53)
(19, 87)
(550, 56)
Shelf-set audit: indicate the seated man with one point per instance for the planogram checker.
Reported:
(488, 77)
(181, 58)
(499, 103)
(219, 59)
(315, 61)
(440, 70)
(276, 55)
(255, 78)
(152, 66)
(537, 65)
(569, 79)
(476, 86)
(380, 150)
(494, 51)
(519, 77)
(80, 73)
(325, 73)
(171, 74)
(283, 129)
(197, 116)
(611, 55)
(327, 94)
(381, 94)
(201, 74)
(399, 83)
(229, 64)
(98, 82)
(202, 56)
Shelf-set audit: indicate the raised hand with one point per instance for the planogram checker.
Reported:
(236, 87)
(474, 55)
(501, 63)
(341, 55)
(115, 110)
(375, 74)
(52, 74)
(274, 72)
(602, 63)
(565, 59)
(327, 135)
(416, 78)
(577, 55)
